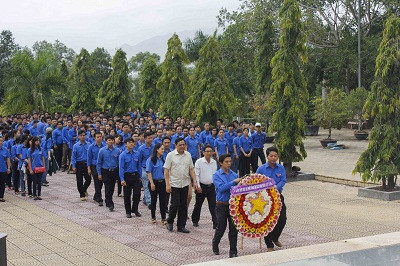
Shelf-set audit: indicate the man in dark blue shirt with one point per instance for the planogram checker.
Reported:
(258, 139)
(145, 151)
(58, 142)
(107, 168)
(5, 167)
(93, 153)
(79, 164)
(274, 170)
(223, 180)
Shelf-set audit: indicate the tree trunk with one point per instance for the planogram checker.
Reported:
(391, 182)
(384, 183)
(288, 168)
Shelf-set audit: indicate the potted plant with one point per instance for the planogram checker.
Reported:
(311, 128)
(331, 112)
(357, 99)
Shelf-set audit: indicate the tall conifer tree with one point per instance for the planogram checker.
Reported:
(211, 97)
(148, 78)
(174, 79)
(289, 93)
(381, 160)
(82, 89)
(116, 88)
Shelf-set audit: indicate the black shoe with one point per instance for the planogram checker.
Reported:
(149, 206)
(111, 208)
(45, 184)
(138, 214)
(100, 203)
(128, 215)
(232, 255)
(215, 249)
(196, 224)
(170, 227)
(183, 230)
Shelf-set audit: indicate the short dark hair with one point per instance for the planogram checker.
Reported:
(166, 137)
(97, 133)
(148, 134)
(81, 131)
(271, 149)
(207, 146)
(178, 140)
(239, 130)
(128, 140)
(222, 158)
(109, 137)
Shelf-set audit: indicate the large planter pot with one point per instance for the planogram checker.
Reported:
(325, 142)
(270, 139)
(376, 193)
(361, 135)
(311, 130)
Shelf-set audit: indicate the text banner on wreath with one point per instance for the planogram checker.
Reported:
(238, 190)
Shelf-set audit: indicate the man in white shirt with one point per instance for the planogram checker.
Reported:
(204, 168)
(179, 173)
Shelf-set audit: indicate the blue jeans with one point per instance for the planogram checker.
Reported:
(145, 183)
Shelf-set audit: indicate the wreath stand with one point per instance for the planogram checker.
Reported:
(241, 242)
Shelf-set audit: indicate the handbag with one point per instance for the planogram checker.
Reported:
(39, 170)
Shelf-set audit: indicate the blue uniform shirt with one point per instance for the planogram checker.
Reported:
(71, 134)
(145, 153)
(14, 154)
(4, 154)
(246, 143)
(107, 159)
(192, 146)
(156, 170)
(157, 140)
(258, 140)
(34, 131)
(229, 138)
(125, 136)
(65, 136)
(46, 144)
(57, 136)
(36, 158)
(278, 173)
(129, 162)
(79, 153)
(210, 140)
(223, 183)
(204, 135)
(93, 152)
(221, 145)
(236, 142)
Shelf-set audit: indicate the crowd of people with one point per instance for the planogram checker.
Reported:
(166, 159)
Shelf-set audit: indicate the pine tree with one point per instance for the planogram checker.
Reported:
(381, 160)
(265, 52)
(289, 93)
(148, 77)
(116, 89)
(174, 80)
(83, 90)
(211, 97)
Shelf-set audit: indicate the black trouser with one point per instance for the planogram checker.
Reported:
(37, 184)
(82, 173)
(244, 163)
(258, 152)
(16, 177)
(29, 182)
(9, 180)
(277, 231)
(133, 184)
(3, 177)
(207, 191)
(109, 178)
(119, 186)
(161, 192)
(98, 184)
(223, 216)
(178, 205)
(58, 154)
(66, 156)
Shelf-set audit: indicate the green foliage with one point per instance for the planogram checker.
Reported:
(332, 112)
(61, 51)
(149, 76)
(136, 63)
(265, 52)
(356, 100)
(30, 81)
(193, 46)
(289, 93)
(80, 84)
(116, 88)
(381, 160)
(100, 61)
(7, 48)
(211, 96)
(174, 80)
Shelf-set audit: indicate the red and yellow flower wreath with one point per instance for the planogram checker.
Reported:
(255, 205)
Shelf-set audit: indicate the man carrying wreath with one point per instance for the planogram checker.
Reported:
(274, 170)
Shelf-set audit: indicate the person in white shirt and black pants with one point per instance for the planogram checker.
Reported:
(204, 168)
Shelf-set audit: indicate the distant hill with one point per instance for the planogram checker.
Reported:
(158, 44)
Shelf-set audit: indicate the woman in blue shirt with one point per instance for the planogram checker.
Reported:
(246, 149)
(23, 165)
(155, 173)
(47, 145)
(35, 160)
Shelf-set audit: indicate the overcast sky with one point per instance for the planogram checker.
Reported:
(105, 23)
